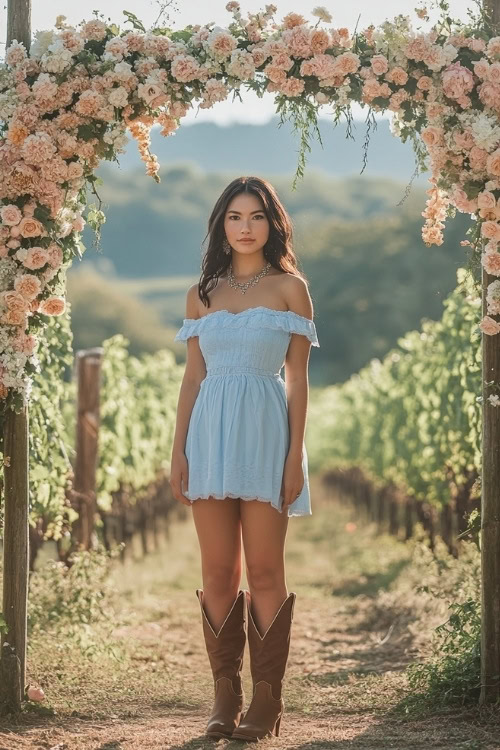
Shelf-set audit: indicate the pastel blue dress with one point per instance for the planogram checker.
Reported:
(238, 434)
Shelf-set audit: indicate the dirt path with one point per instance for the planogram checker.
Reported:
(350, 646)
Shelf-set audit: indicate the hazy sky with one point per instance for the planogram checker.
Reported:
(44, 13)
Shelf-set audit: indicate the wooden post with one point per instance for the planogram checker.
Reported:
(490, 501)
(19, 22)
(88, 367)
(15, 557)
(16, 492)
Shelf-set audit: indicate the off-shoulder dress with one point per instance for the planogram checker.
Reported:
(238, 434)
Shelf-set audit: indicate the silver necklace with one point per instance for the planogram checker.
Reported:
(243, 286)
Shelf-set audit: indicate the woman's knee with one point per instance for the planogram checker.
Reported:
(219, 579)
(263, 577)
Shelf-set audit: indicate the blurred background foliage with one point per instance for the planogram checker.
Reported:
(357, 238)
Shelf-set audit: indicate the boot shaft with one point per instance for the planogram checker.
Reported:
(225, 648)
(269, 652)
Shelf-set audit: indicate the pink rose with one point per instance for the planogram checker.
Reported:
(478, 158)
(78, 224)
(25, 343)
(457, 80)
(379, 64)
(10, 215)
(55, 255)
(36, 693)
(464, 140)
(489, 326)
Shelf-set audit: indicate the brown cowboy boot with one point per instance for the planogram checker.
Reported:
(225, 652)
(268, 658)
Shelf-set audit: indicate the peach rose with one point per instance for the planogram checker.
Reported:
(494, 73)
(481, 68)
(493, 163)
(17, 133)
(36, 258)
(14, 301)
(398, 76)
(491, 263)
(15, 318)
(75, 170)
(486, 200)
(490, 230)
(30, 227)
(379, 64)
(320, 40)
(489, 93)
(424, 83)
(347, 62)
(53, 306)
(293, 19)
(432, 136)
(28, 285)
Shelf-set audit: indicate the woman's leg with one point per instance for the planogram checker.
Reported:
(264, 532)
(218, 526)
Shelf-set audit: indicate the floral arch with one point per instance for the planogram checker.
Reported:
(68, 102)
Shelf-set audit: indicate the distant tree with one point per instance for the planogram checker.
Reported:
(99, 309)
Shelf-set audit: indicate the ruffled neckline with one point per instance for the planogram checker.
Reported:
(250, 309)
(264, 317)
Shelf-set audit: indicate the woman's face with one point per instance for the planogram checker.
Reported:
(245, 219)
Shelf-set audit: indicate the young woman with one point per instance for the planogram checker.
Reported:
(239, 458)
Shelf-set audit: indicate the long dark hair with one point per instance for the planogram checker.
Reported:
(278, 248)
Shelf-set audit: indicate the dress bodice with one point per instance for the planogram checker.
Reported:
(254, 340)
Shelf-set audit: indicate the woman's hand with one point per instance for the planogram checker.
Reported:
(179, 473)
(293, 479)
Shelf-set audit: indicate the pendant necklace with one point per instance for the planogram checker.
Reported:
(243, 286)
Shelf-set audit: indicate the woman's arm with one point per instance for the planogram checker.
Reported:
(194, 373)
(297, 388)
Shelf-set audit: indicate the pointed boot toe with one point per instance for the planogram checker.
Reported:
(263, 717)
(227, 709)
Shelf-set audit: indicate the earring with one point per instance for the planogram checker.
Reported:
(226, 246)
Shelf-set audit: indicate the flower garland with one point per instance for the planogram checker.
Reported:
(69, 102)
